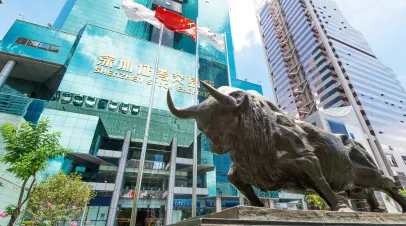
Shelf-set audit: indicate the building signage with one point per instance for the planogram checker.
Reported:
(142, 74)
(184, 203)
(145, 194)
(209, 203)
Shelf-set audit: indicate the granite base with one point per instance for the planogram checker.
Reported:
(247, 215)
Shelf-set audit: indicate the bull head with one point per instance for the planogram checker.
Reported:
(216, 116)
(192, 112)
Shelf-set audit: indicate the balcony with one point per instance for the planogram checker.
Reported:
(109, 154)
(134, 163)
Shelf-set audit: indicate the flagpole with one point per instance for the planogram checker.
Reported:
(240, 196)
(194, 185)
(145, 141)
(228, 62)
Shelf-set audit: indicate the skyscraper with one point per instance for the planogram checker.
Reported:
(318, 61)
(90, 74)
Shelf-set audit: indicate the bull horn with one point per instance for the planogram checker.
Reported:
(186, 113)
(220, 97)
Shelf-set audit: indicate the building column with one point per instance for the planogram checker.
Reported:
(304, 204)
(171, 183)
(271, 203)
(218, 203)
(6, 72)
(111, 220)
(241, 199)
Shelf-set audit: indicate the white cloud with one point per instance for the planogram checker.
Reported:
(243, 24)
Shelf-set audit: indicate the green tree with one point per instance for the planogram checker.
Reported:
(59, 198)
(27, 151)
(317, 201)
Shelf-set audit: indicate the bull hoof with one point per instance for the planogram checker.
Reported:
(379, 210)
(346, 209)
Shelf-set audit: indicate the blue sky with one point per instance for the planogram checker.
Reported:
(383, 24)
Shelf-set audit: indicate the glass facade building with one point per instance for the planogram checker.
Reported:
(91, 75)
(317, 60)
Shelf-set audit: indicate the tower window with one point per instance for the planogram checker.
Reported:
(401, 173)
(391, 160)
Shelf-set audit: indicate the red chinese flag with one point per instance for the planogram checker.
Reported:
(176, 22)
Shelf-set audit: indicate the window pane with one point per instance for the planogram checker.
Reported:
(54, 49)
(103, 211)
(32, 43)
(43, 46)
(21, 41)
(392, 160)
(337, 127)
(92, 215)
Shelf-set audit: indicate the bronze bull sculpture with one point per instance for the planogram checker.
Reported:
(272, 151)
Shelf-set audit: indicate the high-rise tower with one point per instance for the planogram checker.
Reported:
(91, 75)
(318, 61)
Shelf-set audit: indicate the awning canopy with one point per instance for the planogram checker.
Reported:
(29, 69)
(84, 157)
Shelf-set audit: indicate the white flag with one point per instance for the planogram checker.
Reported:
(137, 12)
(215, 39)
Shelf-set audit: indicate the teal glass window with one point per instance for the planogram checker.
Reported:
(32, 43)
(54, 49)
(43, 46)
(21, 41)
(37, 44)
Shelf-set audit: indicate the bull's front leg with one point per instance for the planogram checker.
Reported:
(245, 189)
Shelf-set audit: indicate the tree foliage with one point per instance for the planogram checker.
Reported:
(27, 151)
(59, 198)
(317, 201)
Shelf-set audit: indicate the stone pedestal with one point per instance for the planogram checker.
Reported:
(246, 215)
